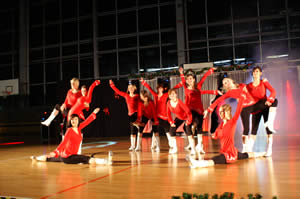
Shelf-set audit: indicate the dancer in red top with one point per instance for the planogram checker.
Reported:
(182, 113)
(193, 92)
(225, 132)
(160, 101)
(257, 89)
(83, 101)
(132, 100)
(71, 98)
(67, 151)
(249, 105)
(146, 112)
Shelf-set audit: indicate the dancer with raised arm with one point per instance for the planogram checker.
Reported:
(193, 92)
(83, 101)
(160, 101)
(225, 132)
(258, 89)
(146, 112)
(67, 151)
(132, 100)
(182, 115)
(71, 98)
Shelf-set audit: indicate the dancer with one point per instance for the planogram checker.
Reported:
(183, 114)
(225, 132)
(249, 105)
(160, 101)
(194, 102)
(132, 100)
(83, 101)
(146, 112)
(71, 98)
(257, 89)
(67, 150)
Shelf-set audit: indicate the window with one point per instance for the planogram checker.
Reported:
(36, 15)
(295, 22)
(51, 94)
(127, 42)
(146, 2)
(6, 20)
(52, 34)
(274, 48)
(108, 64)
(196, 12)
(86, 68)
(36, 37)
(245, 28)
(167, 16)
(5, 72)
(107, 25)
(107, 45)
(197, 34)
(36, 73)
(169, 56)
(128, 62)
(69, 50)
(220, 42)
(86, 48)
(86, 29)
(52, 52)
(197, 56)
(6, 42)
(222, 10)
(85, 7)
(269, 7)
(52, 71)
(121, 4)
(273, 25)
(220, 31)
(69, 32)
(293, 5)
(244, 9)
(52, 10)
(127, 22)
(148, 19)
(250, 52)
(149, 59)
(104, 6)
(69, 9)
(69, 69)
(146, 40)
(36, 54)
(221, 53)
(169, 38)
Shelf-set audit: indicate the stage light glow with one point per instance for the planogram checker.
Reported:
(11, 143)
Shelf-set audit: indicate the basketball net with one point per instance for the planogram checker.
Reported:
(5, 94)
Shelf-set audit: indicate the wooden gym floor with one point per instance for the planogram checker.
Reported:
(149, 175)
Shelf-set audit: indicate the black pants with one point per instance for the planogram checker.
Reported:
(163, 126)
(145, 121)
(220, 159)
(133, 129)
(198, 120)
(245, 114)
(178, 122)
(256, 118)
(73, 159)
(64, 118)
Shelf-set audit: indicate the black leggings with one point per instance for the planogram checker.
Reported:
(198, 119)
(220, 159)
(163, 126)
(178, 122)
(73, 159)
(145, 121)
(245, 114)
(256, 118)
(133, 118)
(64, 115)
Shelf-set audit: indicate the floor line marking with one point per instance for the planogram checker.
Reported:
(99, 178)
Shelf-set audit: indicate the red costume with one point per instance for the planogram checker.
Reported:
(147, 111)
(81, 101)
(71, 98)
(71, 142)
(132, 102)
(193, 96)
(235, 93)
(259, 92)
(160, 102)
(225, 132)
(181, 111)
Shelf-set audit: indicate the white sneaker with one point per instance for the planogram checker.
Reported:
(109, 160)
(131, 148)
(193, 152)
(199, 149)
(268, 153)
(45, 123)
(157, 149)
(138, 148)
(188, 147)
(173, 150)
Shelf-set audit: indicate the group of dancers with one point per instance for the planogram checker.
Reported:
(142, 110)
